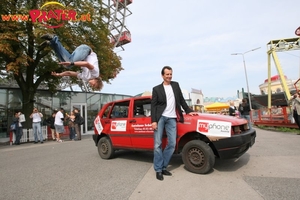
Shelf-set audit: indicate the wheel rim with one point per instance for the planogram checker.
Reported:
(196, 157)
(104, 148)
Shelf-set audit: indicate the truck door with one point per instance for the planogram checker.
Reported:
(116, 124)
(140, 124)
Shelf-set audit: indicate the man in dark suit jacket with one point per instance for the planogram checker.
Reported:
(166, 104)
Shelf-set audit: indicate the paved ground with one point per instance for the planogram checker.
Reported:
(73, 170)
(270, 170)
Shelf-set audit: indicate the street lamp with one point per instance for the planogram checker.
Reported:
(249, 98)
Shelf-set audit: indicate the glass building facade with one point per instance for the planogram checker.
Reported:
(89, 103)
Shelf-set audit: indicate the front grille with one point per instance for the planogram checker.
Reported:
(239, 129)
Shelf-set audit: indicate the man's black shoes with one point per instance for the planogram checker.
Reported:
(167, 173)
(159, 176)
(47, 36)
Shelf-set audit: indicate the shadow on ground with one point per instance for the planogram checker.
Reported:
(228, 165)
(231, 165)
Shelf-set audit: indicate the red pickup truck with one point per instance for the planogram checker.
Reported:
(126, 124)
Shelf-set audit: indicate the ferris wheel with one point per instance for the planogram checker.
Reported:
(118, 11)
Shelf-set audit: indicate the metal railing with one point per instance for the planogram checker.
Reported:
(280, 116)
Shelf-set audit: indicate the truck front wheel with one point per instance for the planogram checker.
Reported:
(105, 148)
(198, 157)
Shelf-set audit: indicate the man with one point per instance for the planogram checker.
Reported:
(50, 122)
(59, 124)
(166, 104)
(295, 103)
(36, 125)
(77, 123)
(83, 57)
(244, 109)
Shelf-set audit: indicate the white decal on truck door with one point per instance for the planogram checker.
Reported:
(118, 125)
(98, 125)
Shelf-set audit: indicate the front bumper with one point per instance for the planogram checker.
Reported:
(236, 145)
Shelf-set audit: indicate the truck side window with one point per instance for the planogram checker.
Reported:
(105, 114)
(142, 108)
(120, 110)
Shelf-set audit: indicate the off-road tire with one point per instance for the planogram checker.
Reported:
(198, 157)
(105, 148)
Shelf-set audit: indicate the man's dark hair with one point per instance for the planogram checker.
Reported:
(163, 69)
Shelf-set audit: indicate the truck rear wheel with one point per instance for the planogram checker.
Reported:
(198, 157)
(105, 148)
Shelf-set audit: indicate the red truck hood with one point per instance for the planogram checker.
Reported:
(216, 117)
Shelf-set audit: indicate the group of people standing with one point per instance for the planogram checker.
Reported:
(36, 117)
(56, 123)
(57, 120)
(73, 122)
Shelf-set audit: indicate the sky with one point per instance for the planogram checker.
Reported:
(196, 38)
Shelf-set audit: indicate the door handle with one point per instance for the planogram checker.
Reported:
(132, 121)
(107, 122)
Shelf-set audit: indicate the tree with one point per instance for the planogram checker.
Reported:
(29, 64)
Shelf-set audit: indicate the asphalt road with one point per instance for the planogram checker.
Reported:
(74, 170)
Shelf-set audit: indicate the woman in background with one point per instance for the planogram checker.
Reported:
(232, 109)
(50, 122)
(71, 124)
(18, 127)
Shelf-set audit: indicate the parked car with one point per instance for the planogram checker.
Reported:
(126, 124)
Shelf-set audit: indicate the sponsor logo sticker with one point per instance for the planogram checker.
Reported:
(98, 125)
(118, 125)
(214, 128)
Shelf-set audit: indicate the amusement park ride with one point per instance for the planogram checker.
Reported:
(119, 34)
(284, 117)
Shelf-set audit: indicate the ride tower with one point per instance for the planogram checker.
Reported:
(273, 47)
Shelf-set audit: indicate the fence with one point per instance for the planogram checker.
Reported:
(29, 137)
(281, 116)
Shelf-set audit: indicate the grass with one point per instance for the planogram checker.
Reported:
(280, 129)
